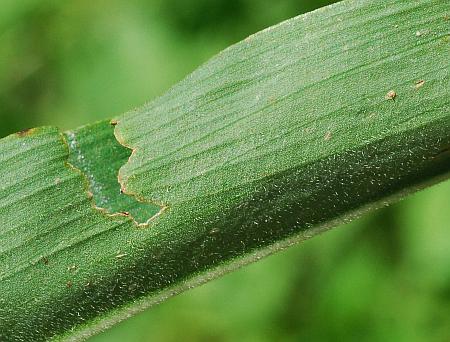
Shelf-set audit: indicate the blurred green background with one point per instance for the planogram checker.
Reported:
(385, 277)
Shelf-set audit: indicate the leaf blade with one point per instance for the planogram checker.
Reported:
(214, 153)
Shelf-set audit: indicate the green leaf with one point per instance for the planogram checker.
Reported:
(295, 130)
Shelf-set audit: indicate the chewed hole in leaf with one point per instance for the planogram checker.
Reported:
(99, 156)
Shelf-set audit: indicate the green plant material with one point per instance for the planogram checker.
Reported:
(295, 130)
(95, 151)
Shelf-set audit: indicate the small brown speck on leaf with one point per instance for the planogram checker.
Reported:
(391, 95)
(328, 136)
(72, 268)
(24, 132)
(45, 260)
(125, 213)
(419, 84)
(69, 284)
(114, 122)
(272, 99)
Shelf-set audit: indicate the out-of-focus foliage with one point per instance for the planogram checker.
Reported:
(386, 277)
